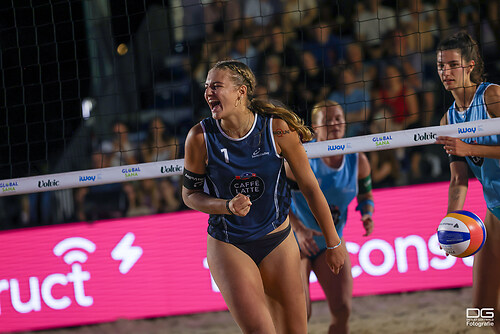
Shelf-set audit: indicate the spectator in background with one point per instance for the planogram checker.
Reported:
(372, 22)
(162, 194)
(260, 14)
(222, 17)
(401, 99)
(243, 50)
(324, 45)
(158, 145)
(298, 15)
(417, 67)
(274, 83)
(313, 84)
(404, 108)
(355, 103)
(124, 152)
(363, 69)
(280, 44)
(419, 21)
(104, 201)
(384, 164)
(215, 47)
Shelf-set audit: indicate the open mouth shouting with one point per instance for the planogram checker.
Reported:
(215, 105)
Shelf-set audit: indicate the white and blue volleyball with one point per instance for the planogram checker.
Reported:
(461, 233)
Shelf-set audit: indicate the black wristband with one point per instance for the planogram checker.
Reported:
(452, 158)
(228, 209)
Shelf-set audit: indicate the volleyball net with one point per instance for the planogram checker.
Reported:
(366, 143)
(103, 92)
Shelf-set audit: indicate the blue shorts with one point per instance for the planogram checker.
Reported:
(495, 212)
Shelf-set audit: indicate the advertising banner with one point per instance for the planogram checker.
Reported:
(155, 266)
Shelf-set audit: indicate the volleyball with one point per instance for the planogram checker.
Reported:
(461, 233)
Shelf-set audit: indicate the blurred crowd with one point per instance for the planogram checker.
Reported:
(376, 58)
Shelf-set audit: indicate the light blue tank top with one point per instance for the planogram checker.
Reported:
(340, 187)
(486, 170)
(248, 165)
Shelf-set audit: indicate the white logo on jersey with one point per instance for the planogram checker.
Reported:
(257, 153)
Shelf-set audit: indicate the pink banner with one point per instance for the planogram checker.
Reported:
(83, 273)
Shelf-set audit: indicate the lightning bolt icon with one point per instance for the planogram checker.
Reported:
(127, 253)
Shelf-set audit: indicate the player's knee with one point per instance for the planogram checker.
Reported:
(341, 312)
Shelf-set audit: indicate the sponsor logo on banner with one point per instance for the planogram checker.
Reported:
(8, 186)
(48, 183)
(382, 140)
(171, 169)
(68, 272)
(467, 130)
(424, 136)
(75, 252)
(87, 178)
(336, 147)
(131, 172)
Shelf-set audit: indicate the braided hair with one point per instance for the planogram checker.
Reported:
(242, 75)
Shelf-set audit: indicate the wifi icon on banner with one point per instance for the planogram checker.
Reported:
(72, 246)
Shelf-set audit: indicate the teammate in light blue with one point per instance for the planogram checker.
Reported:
(460, 68)
(239, 153)
(341, 178)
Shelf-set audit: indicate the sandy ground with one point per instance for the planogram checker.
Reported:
(417, 312)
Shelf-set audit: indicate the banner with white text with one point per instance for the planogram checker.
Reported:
(155, 266)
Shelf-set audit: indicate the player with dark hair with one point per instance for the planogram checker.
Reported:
(341, 178)
(239, 155)
(461, 70)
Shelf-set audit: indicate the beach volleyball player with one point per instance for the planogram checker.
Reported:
(342, 178)
(461, 69)
(239, 154)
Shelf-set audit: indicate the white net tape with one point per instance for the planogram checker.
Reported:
(373, 142)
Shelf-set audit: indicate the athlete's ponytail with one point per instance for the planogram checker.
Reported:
(279, 111)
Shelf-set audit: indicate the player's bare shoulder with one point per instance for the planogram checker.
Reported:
(286, 139)
(280, 128)
(444, 119)
(195, 144)
(492, 100)
(195, 135)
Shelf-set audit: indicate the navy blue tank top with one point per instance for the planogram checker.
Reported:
(251, 166)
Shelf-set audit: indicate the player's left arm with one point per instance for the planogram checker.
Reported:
(365, 194)
(457, 147)
(292, 149)
(289, 145)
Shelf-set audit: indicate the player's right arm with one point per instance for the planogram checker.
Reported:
(195, 160)
(459, 180)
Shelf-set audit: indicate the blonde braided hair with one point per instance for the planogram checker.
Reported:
(241, 75)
